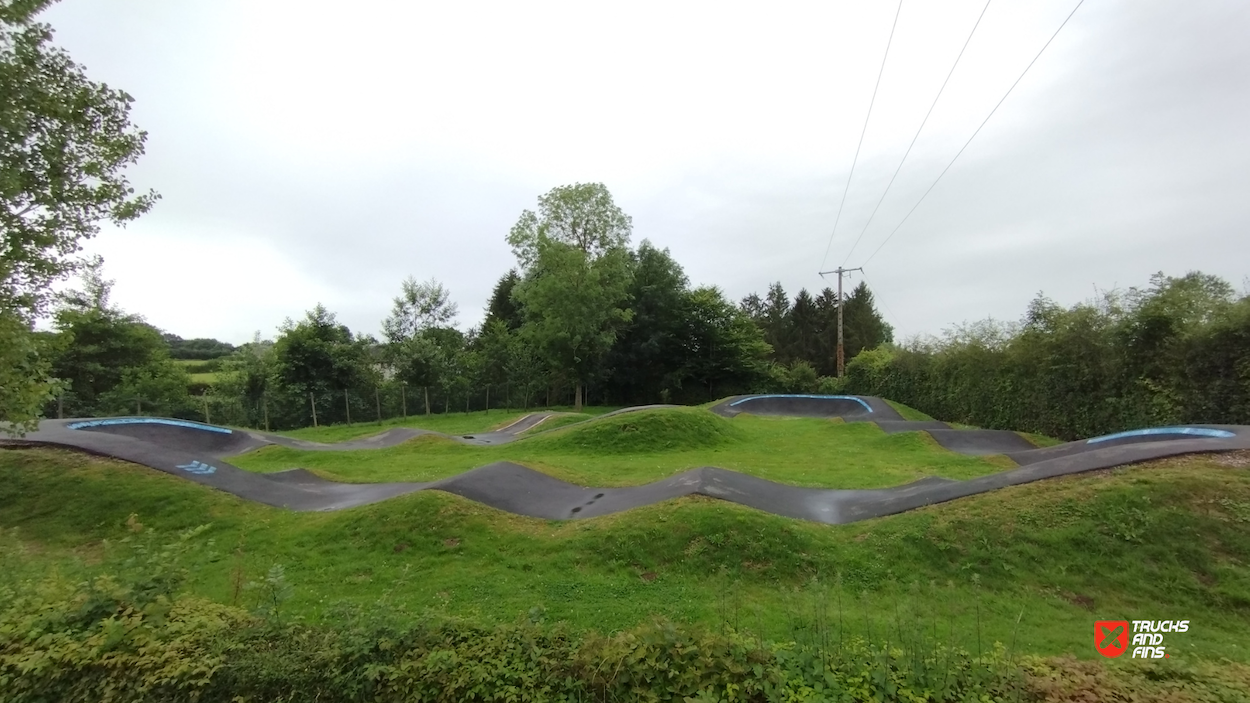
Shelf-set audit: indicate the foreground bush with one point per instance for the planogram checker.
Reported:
(129, 631)
(100, 642)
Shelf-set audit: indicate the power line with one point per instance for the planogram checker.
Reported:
(918, 131)
(877, 293)
(864, 131)
(974, 134)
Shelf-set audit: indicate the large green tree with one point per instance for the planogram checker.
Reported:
(423, 347)
(317, 357)
(108, 361)
(863, 327)
(826, 359)
(502, 306)
(575, 258)
(773, 317)
(725, 350)
(646, 362)
(419, 306)
(248, 374)
(65, 142)
(805, 328)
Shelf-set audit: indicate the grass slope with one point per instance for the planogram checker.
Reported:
(908, 412)
(648, 445)
(645, 432)
(1033, 564)
(559, 420)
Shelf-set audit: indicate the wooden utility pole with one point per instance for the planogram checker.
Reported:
(841, 358)
(312, 401)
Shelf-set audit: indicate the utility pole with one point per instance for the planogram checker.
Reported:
(839, 270)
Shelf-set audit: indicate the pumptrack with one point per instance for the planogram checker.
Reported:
(197, 452)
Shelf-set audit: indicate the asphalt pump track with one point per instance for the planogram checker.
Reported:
(197, 452)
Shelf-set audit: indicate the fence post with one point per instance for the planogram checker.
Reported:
(138, 405)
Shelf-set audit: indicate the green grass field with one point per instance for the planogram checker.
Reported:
(198, 376)
(649, 445)
(1031, 566)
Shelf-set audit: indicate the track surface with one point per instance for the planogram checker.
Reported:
(195, 451)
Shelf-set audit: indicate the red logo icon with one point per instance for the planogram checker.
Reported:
(1111, 637)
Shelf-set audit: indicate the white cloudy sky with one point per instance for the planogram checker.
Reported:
(320, 152)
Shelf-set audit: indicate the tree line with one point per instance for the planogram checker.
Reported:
(1174, 352)
(582, 315)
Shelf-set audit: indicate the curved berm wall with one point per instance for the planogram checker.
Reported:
(192, 436)
(848, 407)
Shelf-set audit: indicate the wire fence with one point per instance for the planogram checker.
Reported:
(285, 409)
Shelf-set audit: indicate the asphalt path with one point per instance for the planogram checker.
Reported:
(198, 452)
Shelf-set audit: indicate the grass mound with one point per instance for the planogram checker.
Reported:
(647, 432)
(559, 420)
(808, 452)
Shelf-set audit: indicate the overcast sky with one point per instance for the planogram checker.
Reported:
(320, 152)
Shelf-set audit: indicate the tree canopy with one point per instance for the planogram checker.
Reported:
(65, 142)
(576, 271)
(419, 306)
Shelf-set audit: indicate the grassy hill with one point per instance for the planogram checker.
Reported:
(648, 445)
(1032, 565)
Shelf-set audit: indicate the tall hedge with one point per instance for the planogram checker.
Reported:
(1176, 352)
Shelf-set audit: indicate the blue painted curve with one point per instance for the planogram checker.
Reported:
(106, 422)
(797, 395)
(1151, 431)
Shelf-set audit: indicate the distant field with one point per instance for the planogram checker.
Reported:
(200, 370)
